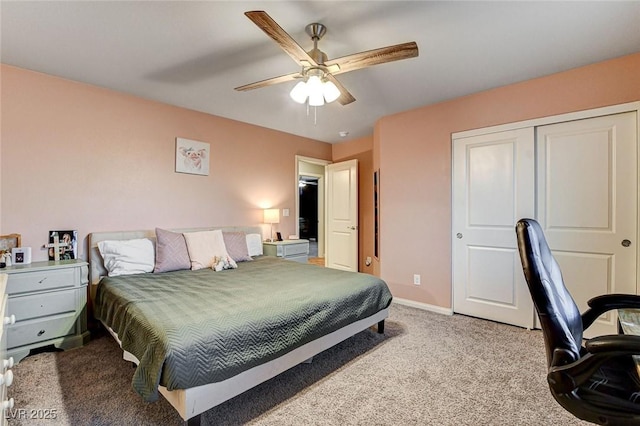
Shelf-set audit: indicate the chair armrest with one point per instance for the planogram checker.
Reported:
(607, 302)
(565, 378)
(615, 345)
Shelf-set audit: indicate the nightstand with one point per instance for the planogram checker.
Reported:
(48, 301)
(6, 375)
(296, 250)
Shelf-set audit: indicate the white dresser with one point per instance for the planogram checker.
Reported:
(6, 375)
(49, 303)
(297, 250)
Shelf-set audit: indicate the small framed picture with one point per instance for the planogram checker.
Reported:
(21, 255)
(278, 236)
(7, 242)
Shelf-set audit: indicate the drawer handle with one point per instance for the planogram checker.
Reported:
(6, 378)
(41, 332)
(7, 363)
(8, 404)
(9, 320)
(42, 280)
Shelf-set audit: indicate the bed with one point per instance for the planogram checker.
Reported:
(201, 337)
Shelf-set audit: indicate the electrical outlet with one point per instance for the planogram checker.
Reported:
(416, 279)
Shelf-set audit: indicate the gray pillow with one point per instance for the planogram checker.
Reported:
(171, 251)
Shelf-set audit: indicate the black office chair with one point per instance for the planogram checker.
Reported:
(597, 381)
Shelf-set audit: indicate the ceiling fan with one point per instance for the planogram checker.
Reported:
(317, 70)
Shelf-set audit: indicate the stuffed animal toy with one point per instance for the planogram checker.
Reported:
(223, 262)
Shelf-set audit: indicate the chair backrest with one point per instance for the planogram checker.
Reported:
(559, 316)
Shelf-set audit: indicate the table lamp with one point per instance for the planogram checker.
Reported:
(271, 216)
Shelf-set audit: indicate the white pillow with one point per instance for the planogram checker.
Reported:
(254, 244)
(127, 257)
(204, 246)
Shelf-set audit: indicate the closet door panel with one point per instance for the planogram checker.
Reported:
(493, 188)
(587, 205)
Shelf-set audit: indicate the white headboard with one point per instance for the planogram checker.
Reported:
(97, 269)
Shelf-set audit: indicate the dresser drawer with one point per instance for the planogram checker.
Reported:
(41, 280)
(27, 332)
(294, 249)
(43, 304)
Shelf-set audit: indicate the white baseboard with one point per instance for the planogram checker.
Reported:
(423, 306)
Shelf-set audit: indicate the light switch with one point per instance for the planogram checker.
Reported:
(285, 212)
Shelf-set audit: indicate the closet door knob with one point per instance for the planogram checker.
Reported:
(626, 243)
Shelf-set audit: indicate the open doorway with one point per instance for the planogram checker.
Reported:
(310, 205)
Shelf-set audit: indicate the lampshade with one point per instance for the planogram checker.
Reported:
(330, 91)
(271, 216)
(299, 93)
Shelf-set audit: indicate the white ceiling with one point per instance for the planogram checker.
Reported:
(192, 54)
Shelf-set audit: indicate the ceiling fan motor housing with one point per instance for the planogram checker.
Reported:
(316, 31)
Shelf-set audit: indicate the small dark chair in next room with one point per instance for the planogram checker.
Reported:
(597, 381)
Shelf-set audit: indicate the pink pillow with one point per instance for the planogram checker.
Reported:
(203, 247)
(171, 252)
(236, 243)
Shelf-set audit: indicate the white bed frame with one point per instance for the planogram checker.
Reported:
(192, 402)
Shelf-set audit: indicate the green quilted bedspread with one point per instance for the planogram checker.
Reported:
(190, 328)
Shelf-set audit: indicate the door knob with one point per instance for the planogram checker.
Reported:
(353, 228)
(626, 243)
(459, 236)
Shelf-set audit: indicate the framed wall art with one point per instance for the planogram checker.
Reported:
(192, 157)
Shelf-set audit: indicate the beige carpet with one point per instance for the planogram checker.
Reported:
(428, 369)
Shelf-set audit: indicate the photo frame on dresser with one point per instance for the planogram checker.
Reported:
(21, 255)
(10, 241)
(63, 245)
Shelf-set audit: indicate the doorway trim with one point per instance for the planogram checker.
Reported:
(322, 228)
(552, 119)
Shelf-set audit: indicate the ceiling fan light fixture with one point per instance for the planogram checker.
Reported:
(316, 99)
(330, 91)
(300, 92)
(315, 90)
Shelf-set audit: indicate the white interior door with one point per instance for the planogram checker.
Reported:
(342, 215)
(493, 187)
(587, 202)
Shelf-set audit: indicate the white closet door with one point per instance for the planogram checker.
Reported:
(493, 187)
(587, 202)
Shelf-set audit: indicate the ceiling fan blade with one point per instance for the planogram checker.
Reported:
(374, 57)
(280, 36)
(269, 82)
(345, 97)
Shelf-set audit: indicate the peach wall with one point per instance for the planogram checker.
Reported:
(362, 150)
(414, 153)
(75, 156)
